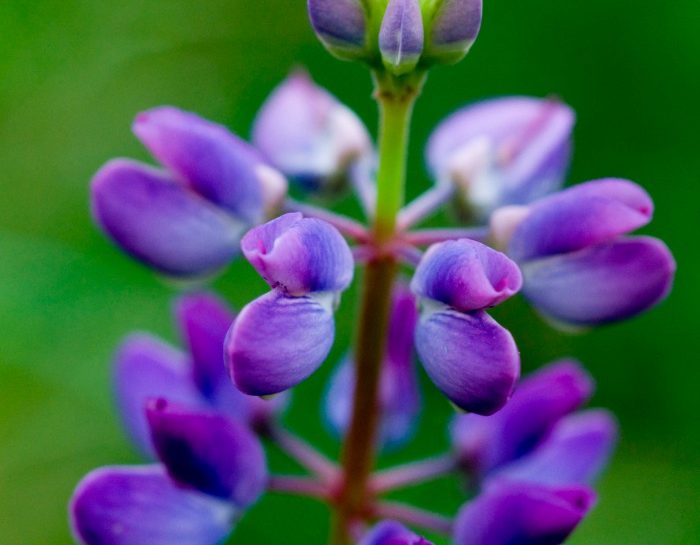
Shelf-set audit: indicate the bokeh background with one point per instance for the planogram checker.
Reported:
(74, 72)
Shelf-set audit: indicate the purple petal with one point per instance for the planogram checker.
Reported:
(575, 452)
(160, 222)
(310, 136)
(204, 320)
(299, 255)
(401, 35)
(389, 532)
(455, 27)
(142, 506)
(601, 284)
(208, 452)
(466, 275)
(208, 157)
(145, 367)
(530, 139)
(258, 413)
(579, 217)
(340, 25)
(535, 515)
(278, 341)
(538, 403)
(469, 357)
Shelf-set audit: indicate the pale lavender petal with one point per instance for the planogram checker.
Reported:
(339, 24)
(146, 367)
(575, 452)
(469, 357)
(203, 320)
(581, 216)
(310, 136)
(206, 156)
(455, 27)
(257, 412)
(389, 532)
(160, 222)
(277, 342)
(142, 506)
(539, 402)
(401, 35)
(466, 275)
(209, 452)
(535, 515)
(603, 283)
(299, 255)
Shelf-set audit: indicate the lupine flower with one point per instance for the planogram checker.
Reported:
(535, 437)
(399, 396)
(502, 151)
(401, 35)
(341, 26)
(579, 267)
(282, 337)
(390, 532)
(467, 354)
(212, 468)
(310, 136)
(186, 220)
(146, 367)
(453, 28)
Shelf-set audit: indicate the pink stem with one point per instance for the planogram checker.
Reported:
(413, 473)
(414, 516)
(425, 237)
(306, 455)
(424, 206)
(345, 225)
(298, 486)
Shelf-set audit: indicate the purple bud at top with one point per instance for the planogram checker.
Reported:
(209, 452)
(142, 506)
(389, 532)
(453, 30)
(539, 402)
(534, 515)
(299, 255)
(310, 136)
(340, 25)
(522, 147)
(401, 35)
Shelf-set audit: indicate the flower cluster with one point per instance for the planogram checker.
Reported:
(526, 452)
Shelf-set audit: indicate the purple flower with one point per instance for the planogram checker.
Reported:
(145, 367)
(536, 437)
(502, 151)
(453, 30)
(578, 266)
(399, 396)
(389, 532)
(185, 220)
(310, 136)
(522, 514)
(467, 354)
(340, 25)
(401, 35)
(282, 337)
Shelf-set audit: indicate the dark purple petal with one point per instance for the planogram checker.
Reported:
(579, 217)
(160, 222)
(401, 35)
(277, 342)
(142, 506)
(307, 134)
(575, 452)
(204, 320)
(601, 284)
(389, 532)
(454, 28)
(533, 515)
(206, 156)
(209, 452)
(469, 357)
(340, 25)
(539, 402)
(145, 367)
(466, 275)
(299, 255)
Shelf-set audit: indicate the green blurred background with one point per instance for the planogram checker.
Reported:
(73, 74)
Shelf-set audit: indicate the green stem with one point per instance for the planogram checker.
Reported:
(355, 496)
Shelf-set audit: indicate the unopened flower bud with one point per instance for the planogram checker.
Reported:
(341, 26)
(453, 28)
(401, 36)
